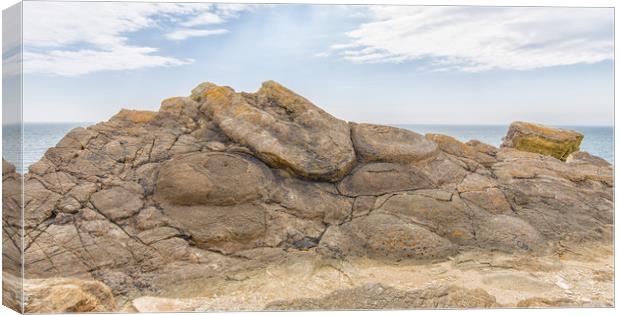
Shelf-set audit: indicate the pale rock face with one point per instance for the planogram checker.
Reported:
(219, 186)
(66, 295)
(379, 297)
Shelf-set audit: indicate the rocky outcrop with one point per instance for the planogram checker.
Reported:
(283, 129)
(220, 183)
(12, 232)
(536, 138)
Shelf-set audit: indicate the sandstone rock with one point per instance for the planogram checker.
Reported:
(222, 228)
(219, 187)
(11, 286)
(522, 165)
(503, 232)
(380, 178)
(447, 218)
(77, 138)
(180, 106)
(538, 302)
(135, 116)
(39, 203)
(212, 179)
(492, 200)
(313, 201)
(284, 130)
(376, 143)
(7, 167)
(482, 147)
(363, 205)
(12, 235)
(459, 149)
(117, 203)
(537, 138)
(474, 182)
(383, 236)
(445, 171)
(66, 295)
(377, 296)
(586, 158)
(147, 304)
(559, 209)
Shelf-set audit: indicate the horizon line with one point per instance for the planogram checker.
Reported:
(389, 124)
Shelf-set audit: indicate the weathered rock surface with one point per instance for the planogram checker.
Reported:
(536, 138)
(212, 179)
(218, 185)
(65, 295)
(284, 129)
(376, 143)
(382, 236)
(381, 178)
(375, 296)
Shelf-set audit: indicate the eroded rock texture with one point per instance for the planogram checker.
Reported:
(221, 182)
(541, 139)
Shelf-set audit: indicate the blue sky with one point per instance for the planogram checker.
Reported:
(394, 65)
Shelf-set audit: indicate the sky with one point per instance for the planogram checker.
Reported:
(85, 61)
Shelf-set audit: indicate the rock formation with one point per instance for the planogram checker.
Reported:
(544, 140)
(221, 183)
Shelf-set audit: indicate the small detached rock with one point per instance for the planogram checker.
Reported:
(536, 138)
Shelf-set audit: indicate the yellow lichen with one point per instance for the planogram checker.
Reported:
(136, 116)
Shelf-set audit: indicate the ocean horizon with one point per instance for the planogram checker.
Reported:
(40, 136)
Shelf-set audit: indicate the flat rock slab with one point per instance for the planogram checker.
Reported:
(536, 138)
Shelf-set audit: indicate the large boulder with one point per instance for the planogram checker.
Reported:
(389, 144)
(212, 179)
(283, 129)
(536, 138)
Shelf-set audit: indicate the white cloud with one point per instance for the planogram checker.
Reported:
(74, 38)
(482, 38)
(72, 63)
(204, 18)
(321, 55)
(183, 34)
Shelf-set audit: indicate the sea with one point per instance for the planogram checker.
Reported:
(38, 137)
